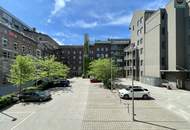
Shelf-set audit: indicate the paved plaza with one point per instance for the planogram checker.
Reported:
(87, 106)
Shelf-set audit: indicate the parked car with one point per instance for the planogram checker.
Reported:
(34, 96)
(95, 81)
(62, 83)
(139, 92)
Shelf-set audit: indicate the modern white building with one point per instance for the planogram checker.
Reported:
(160, 45)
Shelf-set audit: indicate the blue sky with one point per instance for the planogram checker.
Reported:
(67, 20)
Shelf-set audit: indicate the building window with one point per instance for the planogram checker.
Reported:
(141, 20)
(141, 41)
(138, 23)
(141, 51)
(141, 30)
(141, 62)
(106, 49)
(163, 61)
(133, 27)
(4, 42)
(97, 55)
(98, 49)
(80, 52)
(15, 55)
(106, 55)
(23, 48)
(141, 73)
(15, 46)
(163, 45)
(102, 55)
(163, 31)
(138, 42)
(163, 16)
(74, 52)
(137, 32)
(80, 57)
(102, 49)
(68, 52)
(38, 53)
(29, 51)
(74, 57)
(6, 54)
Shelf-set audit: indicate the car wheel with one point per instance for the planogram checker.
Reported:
(126, 96)
(40, 99)
(22, 100)
(145, 96)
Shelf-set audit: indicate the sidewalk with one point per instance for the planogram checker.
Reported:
(177, 101)
(104, 111)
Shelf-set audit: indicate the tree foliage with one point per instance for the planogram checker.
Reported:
(48, 67)
(103, 69)
(26, 68)
(22, 70)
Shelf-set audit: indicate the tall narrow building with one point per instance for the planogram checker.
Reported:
(86, 56)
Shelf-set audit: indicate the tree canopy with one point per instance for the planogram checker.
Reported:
(22, 70)
(26, 68)
(103, 69)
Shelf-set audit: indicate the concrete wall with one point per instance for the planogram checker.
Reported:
(152, 46)
(171, 15)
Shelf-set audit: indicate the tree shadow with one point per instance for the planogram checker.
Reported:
(153, 124)
(61, 89)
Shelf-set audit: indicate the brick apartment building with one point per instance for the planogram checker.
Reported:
(17, 38)
(72, 56)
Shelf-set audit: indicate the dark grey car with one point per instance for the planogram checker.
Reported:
(34, 96)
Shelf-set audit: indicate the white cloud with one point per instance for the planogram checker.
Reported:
(156, 4)
(82, 24)
(66, 36)
(59, 5)
(121, 20)
(114, 18)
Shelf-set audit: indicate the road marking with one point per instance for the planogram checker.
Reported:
(22, 121)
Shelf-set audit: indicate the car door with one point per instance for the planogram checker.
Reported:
(138, 93)
(35, 97)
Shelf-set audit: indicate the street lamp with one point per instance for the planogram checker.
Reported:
(133, 104)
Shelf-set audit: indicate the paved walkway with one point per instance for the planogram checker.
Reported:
(104, 111)
(177, 101)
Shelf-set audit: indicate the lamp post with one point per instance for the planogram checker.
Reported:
(133, 104)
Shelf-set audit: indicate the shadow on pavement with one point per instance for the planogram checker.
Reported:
(11, 117)
(35, 102)
(150, 98)
(62, 89)
(153, 124)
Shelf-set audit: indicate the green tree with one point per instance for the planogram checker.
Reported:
(50, 68)
(22, 70)
(104, 70)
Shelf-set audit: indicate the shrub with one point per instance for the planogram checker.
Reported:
(7, 100)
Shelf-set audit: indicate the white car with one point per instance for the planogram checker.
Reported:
(139, 92)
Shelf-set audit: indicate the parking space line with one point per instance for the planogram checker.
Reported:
(22, 121)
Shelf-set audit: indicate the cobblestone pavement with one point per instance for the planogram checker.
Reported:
(105, 111)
